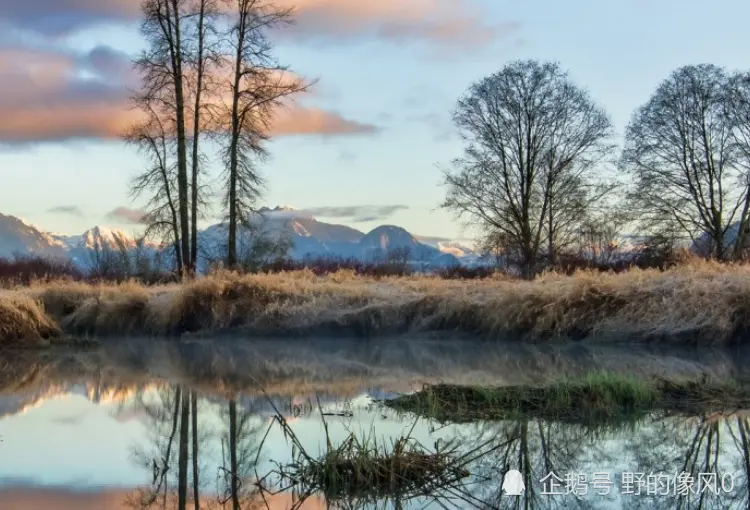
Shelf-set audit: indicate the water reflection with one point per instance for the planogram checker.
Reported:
(205, 454)
(190, 427)
(178, 437)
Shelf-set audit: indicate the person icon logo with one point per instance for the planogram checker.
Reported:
(513, 483)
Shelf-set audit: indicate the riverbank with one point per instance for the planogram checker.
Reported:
(699, 303)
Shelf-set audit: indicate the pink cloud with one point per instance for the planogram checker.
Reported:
(44, 98)
(453, 22)
(300, 120)
(445, 22)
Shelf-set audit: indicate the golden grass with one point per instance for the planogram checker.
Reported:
(696, 302)
(23, 322)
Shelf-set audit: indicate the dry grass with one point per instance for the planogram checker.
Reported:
(367, 471)
(23, 322)
(699, 302)
(364, 470)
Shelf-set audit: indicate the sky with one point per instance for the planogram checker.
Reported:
(374, 134)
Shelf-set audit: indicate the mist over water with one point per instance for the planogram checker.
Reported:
(102, 428)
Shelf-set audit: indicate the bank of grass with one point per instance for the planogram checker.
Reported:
(699, 302)
(598, 398)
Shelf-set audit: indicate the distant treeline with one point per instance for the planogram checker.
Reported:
(110, 265)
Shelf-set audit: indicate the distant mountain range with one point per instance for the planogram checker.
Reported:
(309, 238)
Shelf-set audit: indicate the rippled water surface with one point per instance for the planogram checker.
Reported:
(122, 425)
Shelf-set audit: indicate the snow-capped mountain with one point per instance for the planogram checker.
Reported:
(309, 238)
(20, 237)
(82, 249)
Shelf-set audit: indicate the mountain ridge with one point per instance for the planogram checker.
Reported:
(309, 237)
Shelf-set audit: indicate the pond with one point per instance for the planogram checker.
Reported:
(135, 424)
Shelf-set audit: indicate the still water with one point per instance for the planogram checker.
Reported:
(121, 425)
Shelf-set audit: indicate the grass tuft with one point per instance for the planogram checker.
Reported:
(365, 470)
(368, 471)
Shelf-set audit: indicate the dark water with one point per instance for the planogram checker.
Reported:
(103, 429)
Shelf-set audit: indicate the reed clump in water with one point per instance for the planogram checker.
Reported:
(366, 470)
(360, 470)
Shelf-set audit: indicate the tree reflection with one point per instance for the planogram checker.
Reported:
(535, 449)
(162, 417)
(190, 438)
(238, 463)
(176, 440)
(700, 447)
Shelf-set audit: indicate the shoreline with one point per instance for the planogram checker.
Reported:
(341, 366)
(700, 303)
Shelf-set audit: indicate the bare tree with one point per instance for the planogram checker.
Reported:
(152, 139)
(258, 86)
(203, 60)
(738, 113)
(598, 236)
(496, 247)
(531, 135)
(163, 92)
(573, 202)
(681, 151)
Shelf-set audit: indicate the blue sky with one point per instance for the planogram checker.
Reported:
(393, 65)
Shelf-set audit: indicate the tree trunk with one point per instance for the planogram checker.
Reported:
(551, 242)
(234, 145)
(182, 176)
(182, 461)
(196, 136)
(168, 452)
(196, 475)
(233, 454)
(719, 236)
(177, 252)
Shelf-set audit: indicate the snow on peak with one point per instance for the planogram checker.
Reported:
(456, 248)
(100, 235)
(278, 208)
(29, 223)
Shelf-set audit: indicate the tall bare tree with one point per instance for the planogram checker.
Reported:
(681, 150)
(738, 113)
(531, 135)
(203, 60)
(258, 85)
(163, 91)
